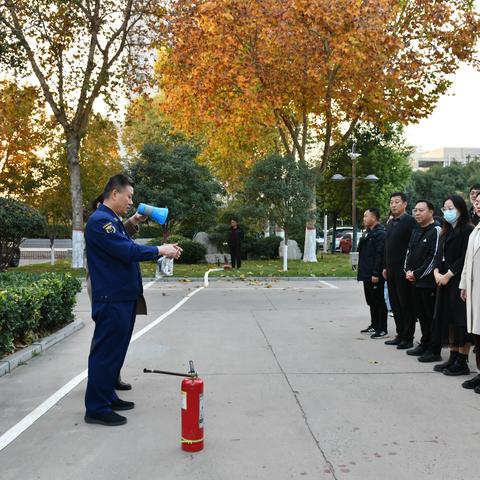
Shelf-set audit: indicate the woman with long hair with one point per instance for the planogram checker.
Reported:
(450, 320)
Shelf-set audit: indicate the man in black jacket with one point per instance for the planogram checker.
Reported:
(419, 264)
(370, 263)
(398, 232)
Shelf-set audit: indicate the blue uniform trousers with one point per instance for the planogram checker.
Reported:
(113, 330)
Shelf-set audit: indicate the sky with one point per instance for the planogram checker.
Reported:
(455, 122)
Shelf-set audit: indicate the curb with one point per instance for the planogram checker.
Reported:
(11, 362)
(246, 279)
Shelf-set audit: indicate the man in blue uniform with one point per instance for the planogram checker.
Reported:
(113, 258)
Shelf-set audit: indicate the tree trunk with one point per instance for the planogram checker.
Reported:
(76, 193)
(310, 245)
(285, 251)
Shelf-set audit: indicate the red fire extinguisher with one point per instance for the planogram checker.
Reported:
(192, 408)
(192, 412)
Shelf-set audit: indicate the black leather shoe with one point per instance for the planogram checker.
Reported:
(477, 389)
(122, 405)
(393, 341)
(417, 351)
(403, 345)
(122, 385)
(111, 419)
(429, 357)
(472, 383)
(460, 367)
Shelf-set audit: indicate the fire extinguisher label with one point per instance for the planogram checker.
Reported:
(184, 400)
(200, 414)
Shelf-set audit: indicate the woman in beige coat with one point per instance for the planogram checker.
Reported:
(470, 293)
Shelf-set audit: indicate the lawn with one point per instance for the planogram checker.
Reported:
(328, 265)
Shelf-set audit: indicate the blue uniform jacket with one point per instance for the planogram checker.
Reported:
(113, 257)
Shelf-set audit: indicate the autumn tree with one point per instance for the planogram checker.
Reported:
(22, 136)
(99, 158)
(308, 69)
(79, 50)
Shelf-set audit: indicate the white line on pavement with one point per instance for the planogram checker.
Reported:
(10, 435)
(327, 284)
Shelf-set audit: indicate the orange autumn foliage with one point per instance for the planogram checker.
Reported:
(253, 75)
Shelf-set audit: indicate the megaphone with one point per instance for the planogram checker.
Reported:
(158, 215)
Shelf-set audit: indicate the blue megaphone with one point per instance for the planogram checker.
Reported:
(158, 215)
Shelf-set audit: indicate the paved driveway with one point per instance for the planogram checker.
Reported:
(292, 391)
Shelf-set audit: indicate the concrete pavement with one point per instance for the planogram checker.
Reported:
(292, 390)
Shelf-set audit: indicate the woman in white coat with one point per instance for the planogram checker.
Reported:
(470, 293)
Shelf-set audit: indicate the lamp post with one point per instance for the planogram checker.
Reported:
(369, 178)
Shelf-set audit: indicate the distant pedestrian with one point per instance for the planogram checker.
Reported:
(371, 250)
(419, 264)
(474, 191)
(450, 320)
(235, 238)
(399, 229)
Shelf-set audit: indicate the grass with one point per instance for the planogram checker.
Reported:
(328, 265)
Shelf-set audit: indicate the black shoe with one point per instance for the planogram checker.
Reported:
(472, 384)
(378, 335)
(367, 331)
(122, 385)
(451, 360)
(417, 351)
(477, 389)
(429, 357)
(111, 419)
(122, 405)
(393, 341)
(404, 345)
(460, 367)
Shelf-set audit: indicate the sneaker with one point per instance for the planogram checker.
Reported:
(378, 335)
(367, 331)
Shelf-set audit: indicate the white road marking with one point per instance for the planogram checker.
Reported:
(10, 435)
(327, 284)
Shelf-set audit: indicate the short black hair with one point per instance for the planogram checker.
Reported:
(427, 202)
(94, 203)
(117, 182)
(399, 194)
(375, 212)
(475, 186)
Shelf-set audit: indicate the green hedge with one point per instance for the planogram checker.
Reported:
(32, 306)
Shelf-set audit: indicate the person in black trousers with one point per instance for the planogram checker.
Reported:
(419, 263)
(371, 249)
(450, 319)
(235, 238)
(398, 232)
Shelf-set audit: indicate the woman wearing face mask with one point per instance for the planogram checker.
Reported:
(450, 322)
(470, 293)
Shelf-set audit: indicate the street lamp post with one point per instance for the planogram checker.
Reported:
(369, 178)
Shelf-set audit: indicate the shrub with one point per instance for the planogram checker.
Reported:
(34, 305)
(193, 252)
(265, 248)
(17, 220)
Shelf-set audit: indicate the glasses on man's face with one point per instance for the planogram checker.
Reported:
(418, 210)
(449, 209)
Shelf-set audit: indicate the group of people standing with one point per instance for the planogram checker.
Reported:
(431, 267)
